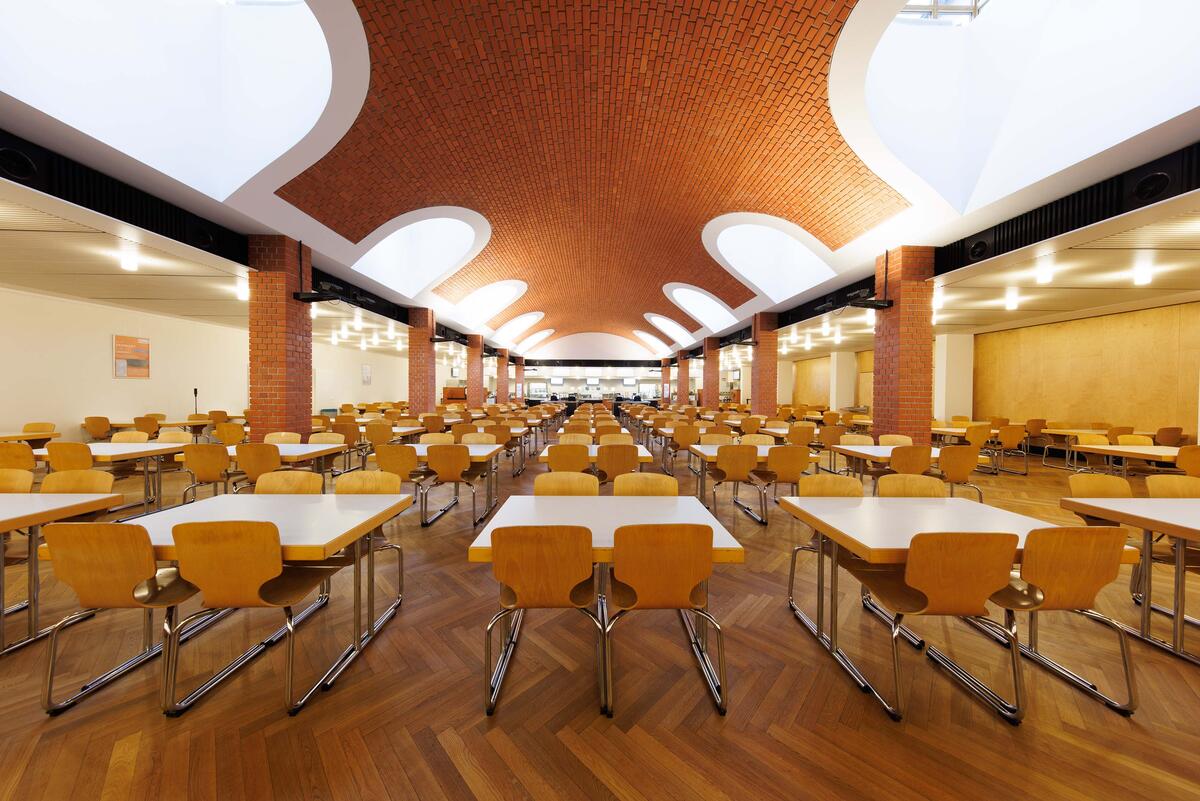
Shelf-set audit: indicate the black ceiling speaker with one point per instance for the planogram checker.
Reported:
(1153, 182)
(981, 246)
(21, 163)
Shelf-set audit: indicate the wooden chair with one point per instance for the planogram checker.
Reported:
(238, 565)
(327, 438)
(577, 428)
(802, 434)
(98, 429)
(566, 484)
(615, 460)
(147, 424)
(346, 418)
(733, 465)
(900, 485)
(829, 418)
(458, 429)
(1187, 460)
(66, 482)
(1173, 486)
(290, 482)
(956, 463)
(174, 437)
(256, 459)
(751, 425)
(479, 439)
(683, 437)
(13, 480)
(1093, 462)
(109, 566)
(450, 465)
(218, 416)
(607, 430)
(895, 439)
(856, 439)
(1063, 569)
(282, 438)
(786, 464)
(1170, 436)
(16, 456)
(435, 438)
(539, 567)
(717, 439)
(756, 439)
(830, 436)
(130, 437)
(401, 461)
(568, 458)
(433, 423)
(37, 428)
(207, 465)
(653, 484)
(821, 485)
(69, 456)
(615, 439)
(574, 439)
(229, 433)
(665, 566)
(947, 574)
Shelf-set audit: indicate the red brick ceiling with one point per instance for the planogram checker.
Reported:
(598, 139)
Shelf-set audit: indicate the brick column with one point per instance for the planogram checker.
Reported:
(280, 338)
(764, 370)
(712, 372)
(501, 376)
(475, 389)
(422, 361)
(681, 377)
(519, 378)
(903, 399)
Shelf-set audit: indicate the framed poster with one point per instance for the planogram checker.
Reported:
(131, 357)
(366, 375)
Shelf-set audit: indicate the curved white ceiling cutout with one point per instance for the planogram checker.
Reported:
(533, 340)
(656, 345)
(675, 332)
(208, 94)
(591, 345)
(486, 302)
(423, 248)
(773, 256)
(508, 333)
(704, 307)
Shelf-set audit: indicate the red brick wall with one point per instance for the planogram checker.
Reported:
(475, 389)
(280, 338)
(681, 377)
(903, 400)
(519, 378)
(712, 372)
(764, 370)
(501, 376)
(422, 361)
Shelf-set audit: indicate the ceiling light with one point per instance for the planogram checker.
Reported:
(939, 297)
(825, 326)
(391, 332)
(333, 338)
(784, 350)
(1012, 298)
(1045, 271)
(399, 345)
(358, 321)
(807, 341)
(1143, 269)
(242, 289)
(375, 339)
(344, 333)
(363, 344)
(129, 261)
(934, 321)
(869, 317)
(837, 335)
(795, 337)
(312, 310)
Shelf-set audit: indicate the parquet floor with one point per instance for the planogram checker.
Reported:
(406, 721)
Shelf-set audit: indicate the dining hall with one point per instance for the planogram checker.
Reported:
(710, 399)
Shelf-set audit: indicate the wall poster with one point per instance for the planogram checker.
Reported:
(131, 357)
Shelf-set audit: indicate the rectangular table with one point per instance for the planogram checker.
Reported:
(144, 452)
(26, 510)
(36, 439)
(879, 454)
(1177, 518)
(1149, 453)
(880, 530)
(708, 453)
(593, 450)
(478, 453)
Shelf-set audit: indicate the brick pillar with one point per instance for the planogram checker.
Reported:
(519, 378)
(501, 376)
(681, 377)
(280, 338)
(764, 370)
(903, 399)
(422, 361)
(475, 390)
(712, 372)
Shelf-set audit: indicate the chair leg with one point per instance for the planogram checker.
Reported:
(1032, 653)
(1012, 712)
(493, 675)
(717, 684)
(289, 662)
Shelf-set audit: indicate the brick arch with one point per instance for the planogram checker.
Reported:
(598, 141)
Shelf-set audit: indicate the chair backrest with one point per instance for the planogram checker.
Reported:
(750, 425)
(218, 416)
(1173, 486)
(289, 482)
(369, 482)
(37, 428)
(910, 459)
(543, 567)
(615, 460)
(615, 439)
(433, 423)
(1092, 439)
(577, 428)
(1010, 436)
(958, 572)
(13, 479)
(346, 419)
(1100, 426)
(379, 433)
(656, 484)
(1098, 485)
(1134, 439)
(81, 481)
(685, 436)
(97, 427)
(998, 422)
(479, 439)
(256, 458)
(957, 462)
(1071, 565)
(347, 408)
(565, 483)
(448, 461)
(831, 435)
(574, 439)
(104, 563)
(408, 422)
(788, 462)
(1034, 426)
(327, 438)
(978, 435)
(830, 418)
(437, 438)
(1169, 436)
(895, 439)
(69, 456)
(856, 439)
(568, 458)
(282, 438)
(829, 486)
(16, 455)
(1188, 459)
(602, 430)
(229, 561)
(174, 437)
(458, 429)
(130, 437)
(147, 424)
(802, 434)
(665, 565)
(736, 461)
(959, 418)
(900, 485)
(756, 439)
(400, 460)
(229, 433)
(716, 439)
(208, 463)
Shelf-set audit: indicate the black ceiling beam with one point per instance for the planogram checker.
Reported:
(589, 363)
(837, 299)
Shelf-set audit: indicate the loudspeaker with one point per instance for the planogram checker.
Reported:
(23, 162)
(1150, 183)
(980, 246)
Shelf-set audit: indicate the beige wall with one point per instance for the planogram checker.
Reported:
(337, 376)
(57, 359)
(1139, 368)
(865, 391)
(811, 382)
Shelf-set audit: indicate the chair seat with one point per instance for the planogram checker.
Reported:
(295, 582)
(1162, 551)
(167, 588)
(16, 551)
(1019, 595)
(763, 476)
(886, 582)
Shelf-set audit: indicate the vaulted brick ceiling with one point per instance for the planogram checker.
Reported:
(598, 139)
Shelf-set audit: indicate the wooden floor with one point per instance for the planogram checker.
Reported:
(407, 722)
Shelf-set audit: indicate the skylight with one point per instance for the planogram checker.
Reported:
(486, 302)
(656, 345)
(417, 256)
(518, 325)
(533, 340)
(947, 12)
(701, 306)
(777, 264)
(674, 331)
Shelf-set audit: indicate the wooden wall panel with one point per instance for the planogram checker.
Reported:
(1139, 368)
(811, 385)
(865, 391)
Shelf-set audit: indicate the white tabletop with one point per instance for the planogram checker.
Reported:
(300, 451)
(1074, 432)
(402, 431)
(1159, 453)
(709, 452)
(644, 455)
(21, 509)
(121, 451)
(880, 529)
(875, 453)
(955, 431)
(1179, 517)
(310, 526)
(479, 453)
(604, 515)
(22, 436)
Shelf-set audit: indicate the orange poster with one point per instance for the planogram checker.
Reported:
(131, 357)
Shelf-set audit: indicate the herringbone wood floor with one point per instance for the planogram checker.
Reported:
(407, 721)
